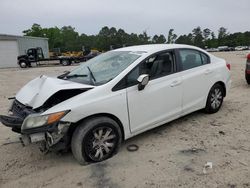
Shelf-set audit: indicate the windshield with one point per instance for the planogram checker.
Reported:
(103, 68)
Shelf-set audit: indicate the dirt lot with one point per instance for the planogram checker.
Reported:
(172, 155)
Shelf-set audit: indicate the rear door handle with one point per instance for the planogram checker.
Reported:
(175, 83)
(208, 71)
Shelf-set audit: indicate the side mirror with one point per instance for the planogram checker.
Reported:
(143, 81)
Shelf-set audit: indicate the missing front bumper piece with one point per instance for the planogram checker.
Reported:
(32, 138)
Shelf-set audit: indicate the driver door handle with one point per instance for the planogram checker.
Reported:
(175, 83)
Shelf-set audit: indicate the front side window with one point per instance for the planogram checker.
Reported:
(192, 58)
(103, 68)
(156, 66)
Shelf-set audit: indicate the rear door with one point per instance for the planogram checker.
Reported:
(197, 73)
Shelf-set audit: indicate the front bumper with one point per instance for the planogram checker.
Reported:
(54, 138)
(16, 123)
(12, 121)
(18, 113)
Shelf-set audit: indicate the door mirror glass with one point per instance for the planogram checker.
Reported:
(143, 81)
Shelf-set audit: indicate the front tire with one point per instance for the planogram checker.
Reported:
(23, 64)
(95, 140)
(214, 99)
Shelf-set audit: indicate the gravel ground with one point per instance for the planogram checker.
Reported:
(172, 155)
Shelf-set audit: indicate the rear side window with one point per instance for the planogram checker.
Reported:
(205, 58)
(192, 58)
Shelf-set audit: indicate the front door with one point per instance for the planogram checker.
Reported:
(161, 99)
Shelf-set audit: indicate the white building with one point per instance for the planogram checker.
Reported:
(12, 46)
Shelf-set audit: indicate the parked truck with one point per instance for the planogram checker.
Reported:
(35, 55)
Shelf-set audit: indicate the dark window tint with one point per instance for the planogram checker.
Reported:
(205, 58)
(162, 65)
(192, 58)
(156, 66)
(133, 76)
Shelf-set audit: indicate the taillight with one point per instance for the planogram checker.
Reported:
(248, 64)
(248, 58)
(228, 66)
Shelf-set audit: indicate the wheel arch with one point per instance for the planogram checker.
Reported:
(223, 86)
(22, 59)
(111, 116)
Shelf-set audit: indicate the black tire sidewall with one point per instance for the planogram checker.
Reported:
(209, 109)
(23, 61)
(65, 62)
(82, 131)
(247, 78)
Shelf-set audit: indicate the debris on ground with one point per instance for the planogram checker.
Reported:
(193, 151)
(207, 167)
(222, 133)
(132, 147)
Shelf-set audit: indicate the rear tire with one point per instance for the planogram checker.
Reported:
(65, 62)
(214, 99)
(95, 140)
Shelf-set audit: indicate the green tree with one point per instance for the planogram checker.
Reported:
(70, 39)
(35, 31)
(222, 35)
(206, 33)
(171, 36)
(54, 36)
(158, 39)
(185, 39)
(67, 39)
(198, 39)
(144, 38)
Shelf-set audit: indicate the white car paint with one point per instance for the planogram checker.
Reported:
(146, 107)
(37, 91)
(163, 99)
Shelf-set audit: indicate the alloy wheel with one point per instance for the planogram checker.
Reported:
(100, 143)
(216, 98)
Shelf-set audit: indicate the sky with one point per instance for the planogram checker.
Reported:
(152, 16)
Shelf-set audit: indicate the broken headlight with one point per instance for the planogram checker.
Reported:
(35, 120)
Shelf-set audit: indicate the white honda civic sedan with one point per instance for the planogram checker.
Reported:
(115, 96)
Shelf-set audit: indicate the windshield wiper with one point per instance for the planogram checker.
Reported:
(76, 75)
(91, 74)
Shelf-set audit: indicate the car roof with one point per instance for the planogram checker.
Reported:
(151, 48)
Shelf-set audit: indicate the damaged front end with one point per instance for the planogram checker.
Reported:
(27, 114)
(17, 113)
(47, 130)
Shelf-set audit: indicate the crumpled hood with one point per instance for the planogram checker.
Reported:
(37, 91)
